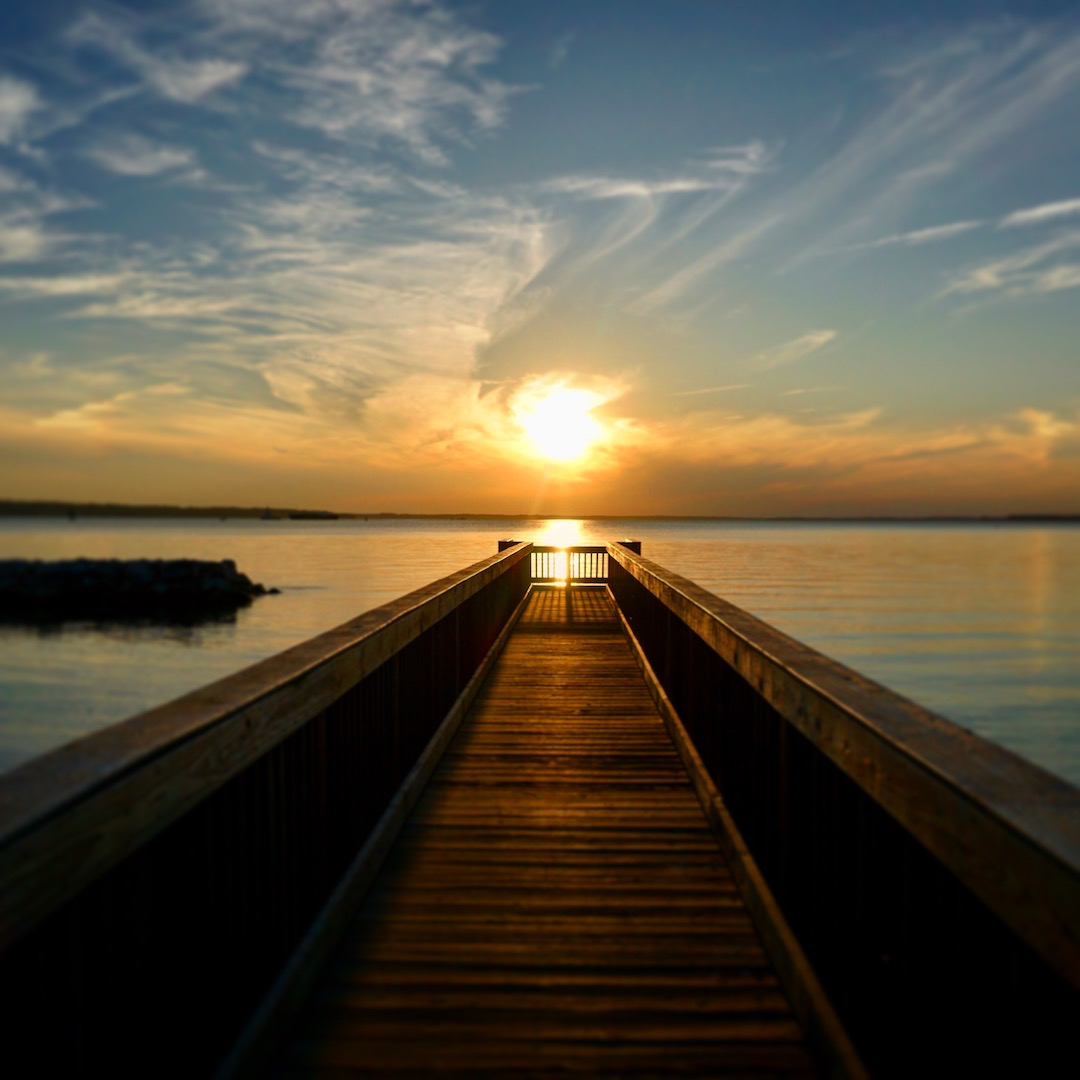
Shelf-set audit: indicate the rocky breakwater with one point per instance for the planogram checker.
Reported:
(32, 590)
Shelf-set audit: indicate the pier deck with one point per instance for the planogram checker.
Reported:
(496, 827)
(557, 902)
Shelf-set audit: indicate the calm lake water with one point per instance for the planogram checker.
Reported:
(978, 622)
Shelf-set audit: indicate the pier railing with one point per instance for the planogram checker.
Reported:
(156, 876)
(576, 564)
(932, 878)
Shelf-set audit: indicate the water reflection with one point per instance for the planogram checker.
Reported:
(980, 623)
(191, 628)
(565, 532)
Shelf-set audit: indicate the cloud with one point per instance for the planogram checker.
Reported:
(176, 77)
(561, 49)
(668, 231)
(1036, 215)
(364, 286)
(18, 100)
(606, 187)
(63, 285)
(1066, 276)
(22, 241)
(709, 390)
(795, 350)
(1016, 274)
(949, 105)
(190, 81)
(799, 391)
(330, 171)
(747, 159)
(725, 169)
(858, 462)
(919, 236)
(133, 155)
(409, 75)
(690, 276)
(25, 234)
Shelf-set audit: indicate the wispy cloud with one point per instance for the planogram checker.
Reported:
(607, 187)
(26, 233)
(709, 390)
(1057, 278)
(133, 155)
(330, 171)
(691, 275)
(63, 285)
(795, 350)
(747, 159)
(724, 169)
(917, 237)
(949, 105)
(409, 75)
(560, 50)
(862, 460)
(177, 77)
(22, 241)
(349, 286)
(329, 296)
(1020, 272)
(1036, 215)
(18, 100)
(800, 391)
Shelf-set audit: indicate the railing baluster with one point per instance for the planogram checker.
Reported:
(583, 564)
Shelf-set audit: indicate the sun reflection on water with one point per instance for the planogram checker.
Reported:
(562, 533)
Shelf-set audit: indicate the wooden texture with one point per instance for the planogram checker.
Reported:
(1006, 828)
(832, 1046)
(252, 1050)
(69, 816)
(557, 903)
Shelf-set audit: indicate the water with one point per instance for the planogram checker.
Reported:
(978, 622)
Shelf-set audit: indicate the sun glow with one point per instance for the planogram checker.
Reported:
(558, 421)
(562, 532)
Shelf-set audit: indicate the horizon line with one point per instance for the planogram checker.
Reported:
(61, 507)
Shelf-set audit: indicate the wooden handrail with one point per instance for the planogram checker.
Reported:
(71, 814)
(1005, 827)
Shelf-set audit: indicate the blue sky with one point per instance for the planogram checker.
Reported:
(818, 259)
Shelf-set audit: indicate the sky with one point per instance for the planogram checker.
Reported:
(755, 258)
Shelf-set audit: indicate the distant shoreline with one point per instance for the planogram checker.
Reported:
(51, 509)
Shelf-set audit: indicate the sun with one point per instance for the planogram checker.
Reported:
(558, 421)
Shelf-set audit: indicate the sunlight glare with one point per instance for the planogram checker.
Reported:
(559, 422)
(562, 533)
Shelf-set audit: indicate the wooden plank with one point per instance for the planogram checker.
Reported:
(70, 815)
(557, 901)
(807, 995)
(250, 1050)
(1008, 829)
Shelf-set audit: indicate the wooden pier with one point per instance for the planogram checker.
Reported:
(563, 813)
(557, 900)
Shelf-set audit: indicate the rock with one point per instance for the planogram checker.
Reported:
(114, 589)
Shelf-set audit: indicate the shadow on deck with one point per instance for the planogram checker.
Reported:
(499, 826)
(557, 902)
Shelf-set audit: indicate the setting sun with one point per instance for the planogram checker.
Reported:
(559, 423)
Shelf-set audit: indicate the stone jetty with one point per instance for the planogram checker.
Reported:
(108, 589)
